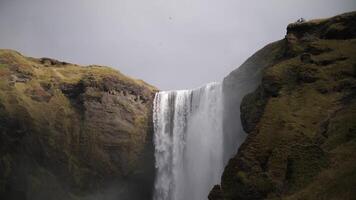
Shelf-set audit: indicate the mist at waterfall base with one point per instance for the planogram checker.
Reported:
(189, 142)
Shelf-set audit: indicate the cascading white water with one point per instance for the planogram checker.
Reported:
(188, 142)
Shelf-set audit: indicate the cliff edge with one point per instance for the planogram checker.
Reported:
(300, 119)
(70, 132)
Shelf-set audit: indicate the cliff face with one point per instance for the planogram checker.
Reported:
(237, 84)
(301, 118)
(68, 131)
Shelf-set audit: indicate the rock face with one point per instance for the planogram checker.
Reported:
(237, 84)
(300, 119)
(72, 132)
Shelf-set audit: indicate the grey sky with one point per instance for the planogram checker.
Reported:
(172, 44)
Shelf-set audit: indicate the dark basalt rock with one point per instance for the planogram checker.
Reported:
(252, 107)
(216, 193)
(50, 61)
(306, 58)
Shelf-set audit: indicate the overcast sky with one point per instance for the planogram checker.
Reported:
(172, 44)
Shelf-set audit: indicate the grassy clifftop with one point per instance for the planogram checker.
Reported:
(68, 130)
(301, 120)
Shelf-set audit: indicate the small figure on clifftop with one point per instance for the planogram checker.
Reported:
(301, 20)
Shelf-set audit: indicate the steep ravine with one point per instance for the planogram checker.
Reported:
(301, 118)
(73, 132)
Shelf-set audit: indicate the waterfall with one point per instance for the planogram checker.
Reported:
(188, 142)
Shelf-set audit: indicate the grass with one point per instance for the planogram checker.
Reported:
(58, 125)
(305, 138)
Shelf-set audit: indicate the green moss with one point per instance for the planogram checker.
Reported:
(264, 185)
(300, 120)
(304, 163)
(56, 113)
(335, 182)
(242, 177)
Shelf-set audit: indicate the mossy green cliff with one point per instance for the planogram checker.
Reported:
(67, 131)
(301, 119)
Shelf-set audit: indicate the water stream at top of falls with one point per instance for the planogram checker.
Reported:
(188, 141)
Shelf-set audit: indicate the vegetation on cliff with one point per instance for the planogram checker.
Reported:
(67, 131)
(301, 119)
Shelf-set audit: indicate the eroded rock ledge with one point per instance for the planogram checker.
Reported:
(68, 131)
